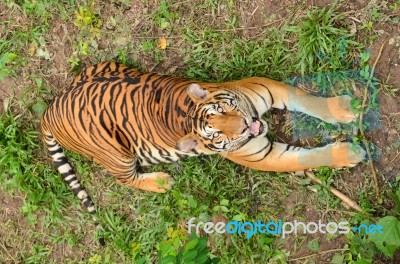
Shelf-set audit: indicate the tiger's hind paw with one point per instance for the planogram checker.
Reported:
(158, 182)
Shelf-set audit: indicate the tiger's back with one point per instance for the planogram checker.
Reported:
(110, 108)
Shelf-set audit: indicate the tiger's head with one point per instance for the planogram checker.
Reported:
(222, 121)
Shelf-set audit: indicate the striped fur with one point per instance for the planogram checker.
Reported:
(122, 119)
(61, 163)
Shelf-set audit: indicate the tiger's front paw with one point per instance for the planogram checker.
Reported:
(340, 109)
(345, 154)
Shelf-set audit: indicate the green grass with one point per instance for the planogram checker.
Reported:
(229, 59)
(322, 43)
(203, 43)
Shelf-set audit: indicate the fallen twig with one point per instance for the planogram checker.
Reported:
(336, 192)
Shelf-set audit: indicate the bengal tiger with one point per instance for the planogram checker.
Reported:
(122, 118)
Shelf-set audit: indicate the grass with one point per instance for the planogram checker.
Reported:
(202, 43)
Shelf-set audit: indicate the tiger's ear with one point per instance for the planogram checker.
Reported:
(187, 143)
(197, 93)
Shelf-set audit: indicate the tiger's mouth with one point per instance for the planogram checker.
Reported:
(256, 128)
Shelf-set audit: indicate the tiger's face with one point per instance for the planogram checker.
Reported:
(222, 121)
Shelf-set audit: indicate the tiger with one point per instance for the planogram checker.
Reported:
(122, 119)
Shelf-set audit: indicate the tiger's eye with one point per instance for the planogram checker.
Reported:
(220, 109)
(216, 134)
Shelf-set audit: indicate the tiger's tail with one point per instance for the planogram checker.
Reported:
(67, 172)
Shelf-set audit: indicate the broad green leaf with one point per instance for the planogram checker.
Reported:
(202, 243)
(7, 58)
(39, 107)
(191, 244)
(363, 261)
(389, 241)
(338, 259)
(167, 260)
(224, 202)
(192, 202)
(189, 256)
(313, 245)
(202, 259)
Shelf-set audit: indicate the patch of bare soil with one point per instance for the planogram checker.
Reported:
(298, 207)
(57, 68)
(388, 67)
(4, 92)
(11, 219)
(255, 16)
(387, 138)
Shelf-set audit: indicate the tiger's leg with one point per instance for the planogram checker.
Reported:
(158, 182)
(266, 93)
(263, 155)
(123, 166)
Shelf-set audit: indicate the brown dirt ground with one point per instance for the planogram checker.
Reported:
(251, 14)
(10, 216)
